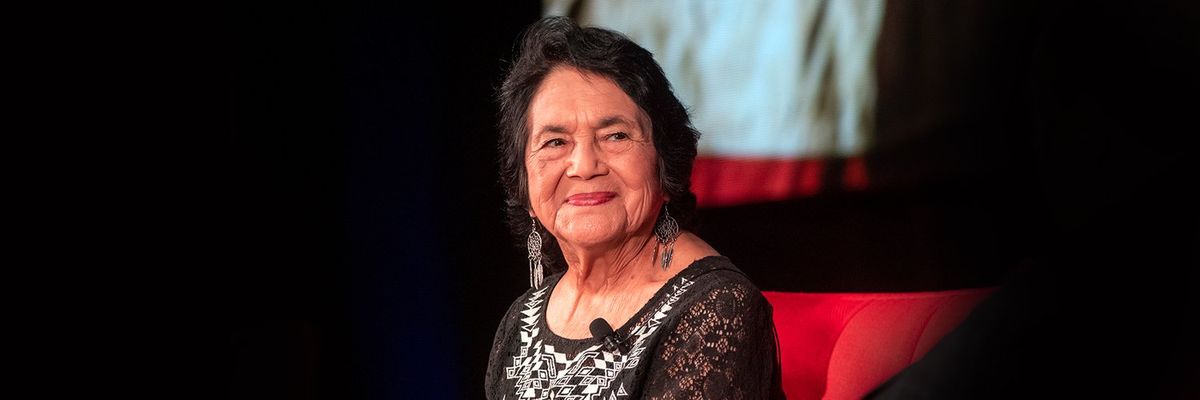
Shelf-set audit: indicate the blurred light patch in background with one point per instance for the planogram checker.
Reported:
(775, 87)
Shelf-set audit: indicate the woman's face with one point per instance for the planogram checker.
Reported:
(591, 164)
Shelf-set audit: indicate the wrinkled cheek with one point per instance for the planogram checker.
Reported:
(536, 173)
(542, 184)
(540, 198)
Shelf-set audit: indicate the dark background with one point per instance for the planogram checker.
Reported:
(323, 220)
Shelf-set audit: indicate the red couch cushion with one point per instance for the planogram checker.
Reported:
(842, 345)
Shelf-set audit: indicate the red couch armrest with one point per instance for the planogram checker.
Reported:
(842, 345)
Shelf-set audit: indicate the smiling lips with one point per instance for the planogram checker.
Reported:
(590, 199)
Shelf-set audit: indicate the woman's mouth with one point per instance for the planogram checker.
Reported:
(590, 199)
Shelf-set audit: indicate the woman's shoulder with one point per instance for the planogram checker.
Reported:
(717, 272)
(716, 281)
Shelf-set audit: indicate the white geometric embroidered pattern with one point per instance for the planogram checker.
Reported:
(543, 373)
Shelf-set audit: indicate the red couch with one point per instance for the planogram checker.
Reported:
(842, 345)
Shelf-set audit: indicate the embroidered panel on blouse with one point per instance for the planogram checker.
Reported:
(542, 372)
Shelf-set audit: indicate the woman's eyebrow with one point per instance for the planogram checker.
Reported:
(552, 128)
(604, 123)
(612, 120)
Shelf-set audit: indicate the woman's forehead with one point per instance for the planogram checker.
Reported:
(568, 96)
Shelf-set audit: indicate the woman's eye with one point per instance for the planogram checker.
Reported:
(554, 143)
(618, 136)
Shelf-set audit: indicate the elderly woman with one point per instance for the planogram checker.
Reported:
(596, 154)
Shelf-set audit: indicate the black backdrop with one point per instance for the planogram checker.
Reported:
(371, 258)
(330, 221)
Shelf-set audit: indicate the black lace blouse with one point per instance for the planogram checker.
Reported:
(706, 334)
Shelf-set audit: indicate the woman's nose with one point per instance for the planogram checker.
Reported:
(586, 161)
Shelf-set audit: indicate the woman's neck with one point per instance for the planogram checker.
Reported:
(615, 284)
(599, 270)
(610, 284)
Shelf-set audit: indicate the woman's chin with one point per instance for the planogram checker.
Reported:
(588, 241)
(587, 229)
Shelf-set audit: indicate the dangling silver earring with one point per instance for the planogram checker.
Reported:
(666, 231)
(534, 245)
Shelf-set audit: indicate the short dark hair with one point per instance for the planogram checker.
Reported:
(557, 41)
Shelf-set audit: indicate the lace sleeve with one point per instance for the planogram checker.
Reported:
(723, 347)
